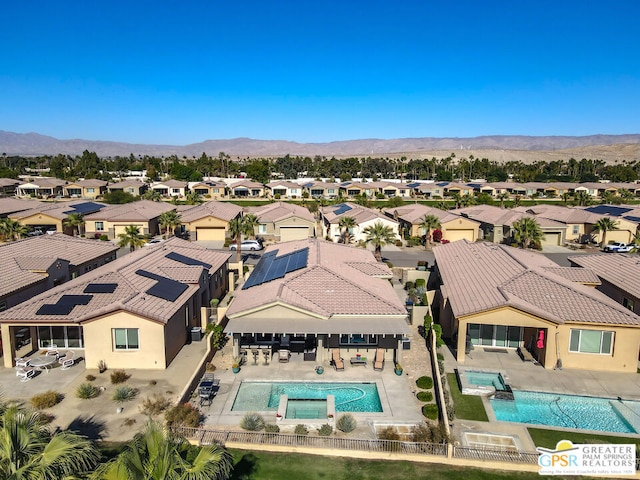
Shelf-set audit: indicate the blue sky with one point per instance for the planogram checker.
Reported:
(184, 72)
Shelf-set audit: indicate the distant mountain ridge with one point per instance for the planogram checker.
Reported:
(35, 144)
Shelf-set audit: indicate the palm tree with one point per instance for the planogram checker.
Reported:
(428, 224)
(527, 231)
(565, 197)
(74, 221)
(502, 196)
(11, 229)
(131, 238)
(582, 198)
(607, 198)
(457, 198)
(152, 195)
(346, 224)
(379, 235)
(157, 454)
(467, 200)
(604, 225)
(249, 224)
(516, 200)
(169, 220)
(28, 449)
(193, 198)
(239, 226)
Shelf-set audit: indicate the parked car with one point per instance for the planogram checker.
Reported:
(619, 247)
(251, 245)
(154, 242)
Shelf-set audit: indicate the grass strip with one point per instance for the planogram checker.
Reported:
(467, 407)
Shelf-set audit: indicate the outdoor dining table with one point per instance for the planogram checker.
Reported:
(43, 362)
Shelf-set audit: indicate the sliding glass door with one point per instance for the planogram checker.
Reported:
(495, 335)
(61, 337)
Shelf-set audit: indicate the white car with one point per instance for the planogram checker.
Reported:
(619, 247)
(153, 243)
(251, 245)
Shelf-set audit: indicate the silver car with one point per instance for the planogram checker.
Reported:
(251, 245)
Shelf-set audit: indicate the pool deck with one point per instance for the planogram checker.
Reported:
(526, 376)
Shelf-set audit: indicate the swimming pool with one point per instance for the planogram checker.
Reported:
(494, 380)
(480, 382)
(569, 411)
(349, 397)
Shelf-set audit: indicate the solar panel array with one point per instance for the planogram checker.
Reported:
(100, 288)
(341, 208)
(413, 185)
(165, 288)
(308, 185)
(86, 207)
(608, 210)
(65, 305)
(270, 267)
(187, 260)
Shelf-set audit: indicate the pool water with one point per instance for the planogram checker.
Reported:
(569, 411)
(349, 397)
(487, 379)
(306, 409)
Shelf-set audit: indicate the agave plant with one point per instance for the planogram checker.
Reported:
(124, 394)
(346, 423)
(86, 391)
(252, 422)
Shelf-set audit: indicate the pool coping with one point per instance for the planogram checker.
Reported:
(478, 390)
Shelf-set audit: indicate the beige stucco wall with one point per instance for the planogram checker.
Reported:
(40, 219)
(98, 340)
(207, 222)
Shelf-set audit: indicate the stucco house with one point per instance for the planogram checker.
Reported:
(364, 217)
(135, 312)
(170, 188)
(9, 205)
(282, 222)
(47, 217)
(90, 188)
(114, 219)
(454, 227)
(284, 189)
(319, 190)
(209, 221)
(314, 298)
(8, 186)
(496, 296)
(132, 187)
(209, 189)
(41, 187)
(247, 188)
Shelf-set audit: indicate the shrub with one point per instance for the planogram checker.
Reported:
(425, 383)
(252, 422)
(214, 302)
(425, 396)
(325, 430)
(430, 410)
(86, 391)
(421, 283)
(218, 337)
(128, 422)
(440, 357)
(124, 394)
(183, 415)
(429, 433)
(102, 366)
(104, 237)
(389, 433)
(398, 243)
(119, 376)
(90, 378)
(271, 428)
(154, 405)
(46, 400)
(389, 264)
(301, 430)
(346, 423)
(409, 285)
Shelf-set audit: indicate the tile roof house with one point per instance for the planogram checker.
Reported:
(619, 275)
(170, 188)
(8, 186)
(135, 312)
(283, 189)
(50, 216)
(311, 296)
(114, 219)
(454, 227)
(209, 221)
(501, 297)
(132, 187)
(36, 264)
(209, 189)
(11, 205)
(282, 222)
(364, 217)
(41, 187)
(90, 188)
(247, 188)
(319, 190)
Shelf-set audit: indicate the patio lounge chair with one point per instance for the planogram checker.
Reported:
(378, 362)
(25, 373)
(22, 362)
(337, 361)
(67, 360)
(283, 356)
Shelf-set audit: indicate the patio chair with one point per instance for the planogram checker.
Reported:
(283, 356)
(25, 373)
(378, 362)
(53, 352)
(67, 360)
(337, 361)
(22, 362)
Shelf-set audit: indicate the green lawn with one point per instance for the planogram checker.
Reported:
(550, 438)
(284, 466)
(467, 407)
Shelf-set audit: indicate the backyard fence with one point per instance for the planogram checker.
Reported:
(206, 437)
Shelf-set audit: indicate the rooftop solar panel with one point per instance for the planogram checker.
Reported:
(187, 260)
(413, 185)
(608, 210)
(75, 299)
(100, 288)
(165, 288)
(632, 219)
(86, 207)
(271, 268)
(341, 208)
(55, 309)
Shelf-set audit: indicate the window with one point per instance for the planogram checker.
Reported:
(91, 190)
(131, 190)
(358, 339)
(99, 226)
(627, 303)
(262, 228)
(125, 338)
(175, 190)
(591, 341)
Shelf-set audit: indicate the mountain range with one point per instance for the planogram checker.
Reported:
(35, 144)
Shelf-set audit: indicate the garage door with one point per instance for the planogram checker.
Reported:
(210, 234)
(551, 238)
(293, 233)
(453, 235)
